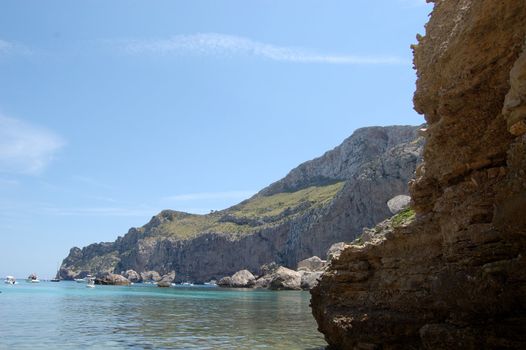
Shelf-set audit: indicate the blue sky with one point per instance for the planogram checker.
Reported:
(111, 111)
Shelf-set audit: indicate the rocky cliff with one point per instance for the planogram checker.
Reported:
(326, 200)
(454, 278)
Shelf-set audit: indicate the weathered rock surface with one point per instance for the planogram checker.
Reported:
(374, 164)
(313, 263)
(398, 203)
(285, 279)
(241, 279)
(309, 279)
(335, 250)
(455, 277)
(150, 276)
(112, 279)
(166, 280)
(132, 276)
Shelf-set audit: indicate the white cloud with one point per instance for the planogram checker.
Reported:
(26, 148)
(10, 48)
(214, 44)
(211, 196)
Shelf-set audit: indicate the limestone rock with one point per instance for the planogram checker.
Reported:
(241, 279)
(454, 277)
(398, 203)
(150, 276)
(285, 279)
(309, 279)
(313, 263)
(267, 269)
(225, 282)
(263, 281)
(335, 251)
(133, 276)
(112, 279)
(166, 280)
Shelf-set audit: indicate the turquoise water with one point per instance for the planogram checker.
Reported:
(68, 315)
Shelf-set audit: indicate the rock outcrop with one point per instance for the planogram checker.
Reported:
(455, 278)
(166, 280)
(398, 203)
(326, 200)
(313, 263)
(285, 279)
(150, 276)
(112, 279)
(241, 279)
(132, 276)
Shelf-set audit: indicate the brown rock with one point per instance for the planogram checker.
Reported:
(312, 264)
(241, 279)
(455, 277)
(132, 276)
(285, 279)
(112, 279)
(166, 280)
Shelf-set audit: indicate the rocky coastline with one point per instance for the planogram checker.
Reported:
(326, 200)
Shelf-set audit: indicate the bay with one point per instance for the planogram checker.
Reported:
(68, 315)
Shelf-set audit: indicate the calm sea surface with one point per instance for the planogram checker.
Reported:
(67, 315)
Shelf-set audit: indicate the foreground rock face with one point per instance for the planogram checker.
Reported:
(456, 277)
(372, 166)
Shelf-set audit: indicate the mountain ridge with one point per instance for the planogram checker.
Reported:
(322, 201)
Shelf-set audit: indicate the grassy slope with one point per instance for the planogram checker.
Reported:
(248, 216)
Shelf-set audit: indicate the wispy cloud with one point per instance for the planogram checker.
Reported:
(214, 44)
(200, 196)
(26, 148)
(11, 48)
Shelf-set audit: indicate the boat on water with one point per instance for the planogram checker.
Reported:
(90, 282)
(32, 278)
(84, 280)
(55, 280)
(10, 280)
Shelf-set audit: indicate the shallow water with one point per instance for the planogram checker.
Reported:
(69, 315)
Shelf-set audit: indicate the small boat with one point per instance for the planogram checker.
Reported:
(10, 280)
(83, 280)
(33, 278)
(55, 280)
(90, 282)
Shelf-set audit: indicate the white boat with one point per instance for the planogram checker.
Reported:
(10, 280)
(90, 282)
(33, 278)
(83, 280)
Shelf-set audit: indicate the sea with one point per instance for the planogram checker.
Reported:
(67, 315)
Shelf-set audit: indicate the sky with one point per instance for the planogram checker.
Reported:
(111, 111)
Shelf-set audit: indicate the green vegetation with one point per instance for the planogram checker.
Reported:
(403, 217)
(248, 216)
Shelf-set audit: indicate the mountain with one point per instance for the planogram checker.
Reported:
(454, 278)
(322, 201)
